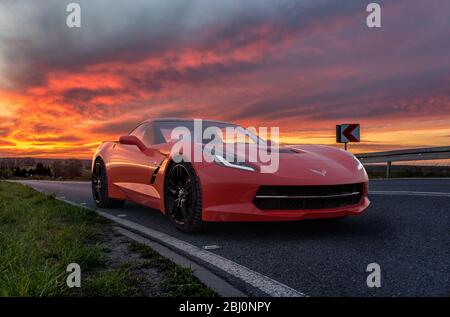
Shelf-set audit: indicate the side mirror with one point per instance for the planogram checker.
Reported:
(132, 140)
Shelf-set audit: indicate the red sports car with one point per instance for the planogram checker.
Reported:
(310, 181)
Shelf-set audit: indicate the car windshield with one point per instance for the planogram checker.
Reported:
(205, 132)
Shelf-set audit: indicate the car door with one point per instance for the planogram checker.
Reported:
(133, 169)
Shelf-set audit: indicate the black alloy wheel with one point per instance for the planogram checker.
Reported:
(100, 187)
(183, 198)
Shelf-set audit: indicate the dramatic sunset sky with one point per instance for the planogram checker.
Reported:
(301, 65)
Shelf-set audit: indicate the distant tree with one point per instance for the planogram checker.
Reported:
(39, 170)
(47, 171)
(74, 168)
(5, 172)
(58, 170)
(23, 172)
(19, 172)
(16, 172)
(30, 172)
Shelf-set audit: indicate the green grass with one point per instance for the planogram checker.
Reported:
(40, 236)
(114, 283)
(177, 281)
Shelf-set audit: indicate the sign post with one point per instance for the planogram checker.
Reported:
(346, 133)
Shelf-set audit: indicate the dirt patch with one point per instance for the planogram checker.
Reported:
(138, 278)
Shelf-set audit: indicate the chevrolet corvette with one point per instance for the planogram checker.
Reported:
(310, 181)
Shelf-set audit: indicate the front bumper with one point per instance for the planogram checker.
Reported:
(227, 196)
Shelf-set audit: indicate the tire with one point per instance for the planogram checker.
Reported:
(183, 201)
(99, 183)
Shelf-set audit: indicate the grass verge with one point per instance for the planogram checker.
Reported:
(40, 236)
(177, 281)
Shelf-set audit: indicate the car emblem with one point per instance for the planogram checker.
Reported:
(322, 172)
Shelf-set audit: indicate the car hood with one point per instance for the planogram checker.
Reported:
(312, 162)
(309, 162)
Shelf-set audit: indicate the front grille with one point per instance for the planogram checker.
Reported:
(307, 197)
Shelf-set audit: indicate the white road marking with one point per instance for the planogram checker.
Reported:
(211, 247)
(255, 279)
(122, 215)
(408, 193)
(264, 283)
(210, 279)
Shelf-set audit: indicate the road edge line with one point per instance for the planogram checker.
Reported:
(263, 283)
(208, 278)
(257, 280)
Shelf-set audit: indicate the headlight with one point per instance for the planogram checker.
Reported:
(359, 165)
(239, 165)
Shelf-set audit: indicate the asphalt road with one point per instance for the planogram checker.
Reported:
(408, 235)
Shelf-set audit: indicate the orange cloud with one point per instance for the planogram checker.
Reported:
(303, 75)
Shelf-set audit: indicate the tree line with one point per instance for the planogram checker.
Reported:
(70, 168)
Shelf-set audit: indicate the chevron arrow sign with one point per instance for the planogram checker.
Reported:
(348, 133)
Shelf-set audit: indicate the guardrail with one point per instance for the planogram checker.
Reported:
(431, 153)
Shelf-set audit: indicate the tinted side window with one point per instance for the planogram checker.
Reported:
(139, 132)
(149, 135)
